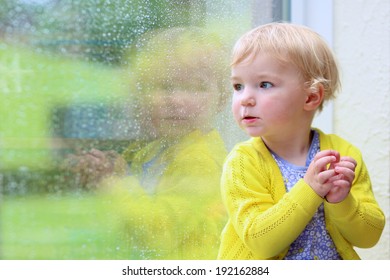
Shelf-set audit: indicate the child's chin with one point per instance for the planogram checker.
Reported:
(252, 132)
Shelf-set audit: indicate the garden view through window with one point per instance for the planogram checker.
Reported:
(114, 125)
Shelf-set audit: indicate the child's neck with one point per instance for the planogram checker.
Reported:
(293, 150)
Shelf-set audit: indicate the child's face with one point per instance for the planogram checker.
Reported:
(269, 97)
(178, 112)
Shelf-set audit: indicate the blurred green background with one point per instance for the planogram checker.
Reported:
(62, 55)
(42, 217)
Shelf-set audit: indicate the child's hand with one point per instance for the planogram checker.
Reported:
(342, 181)
(91, 167)
(321, 170)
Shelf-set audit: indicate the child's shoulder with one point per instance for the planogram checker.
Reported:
(331, 138)
(336, 142)
(252, 148)
(251, 145)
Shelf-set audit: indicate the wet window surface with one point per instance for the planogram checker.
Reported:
(114, 125)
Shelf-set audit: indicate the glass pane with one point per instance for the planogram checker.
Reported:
(115, 122)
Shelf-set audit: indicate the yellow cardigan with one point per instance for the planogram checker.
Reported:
(264, 220)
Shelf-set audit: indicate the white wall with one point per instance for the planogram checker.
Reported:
(361, 41)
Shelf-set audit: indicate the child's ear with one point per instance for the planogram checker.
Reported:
(314, 97)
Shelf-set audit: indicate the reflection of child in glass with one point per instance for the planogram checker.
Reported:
(291, 191)
(179, 77)
(169, 203)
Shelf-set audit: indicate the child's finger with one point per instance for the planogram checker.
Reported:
(345, 164)
(342, 184)
(336, 177)
(325, 176)
(350, 159)
(322, 163)
(348, 162)
(347, 173)
(325, 153)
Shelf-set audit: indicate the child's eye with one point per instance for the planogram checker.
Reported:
(238, 87)
(266, 85)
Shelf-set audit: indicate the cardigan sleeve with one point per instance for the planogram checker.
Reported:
(265, 223)
(358, 218)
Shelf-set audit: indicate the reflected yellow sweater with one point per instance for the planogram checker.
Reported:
(264, 220)
(183, 215)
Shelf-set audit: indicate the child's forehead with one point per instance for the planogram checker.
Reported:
(280, 59)
(265, 65)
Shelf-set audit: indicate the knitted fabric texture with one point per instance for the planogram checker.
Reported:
(264, 219)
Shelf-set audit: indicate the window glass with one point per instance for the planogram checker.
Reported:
(114, 125)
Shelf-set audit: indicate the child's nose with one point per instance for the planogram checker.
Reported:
(248, 98)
